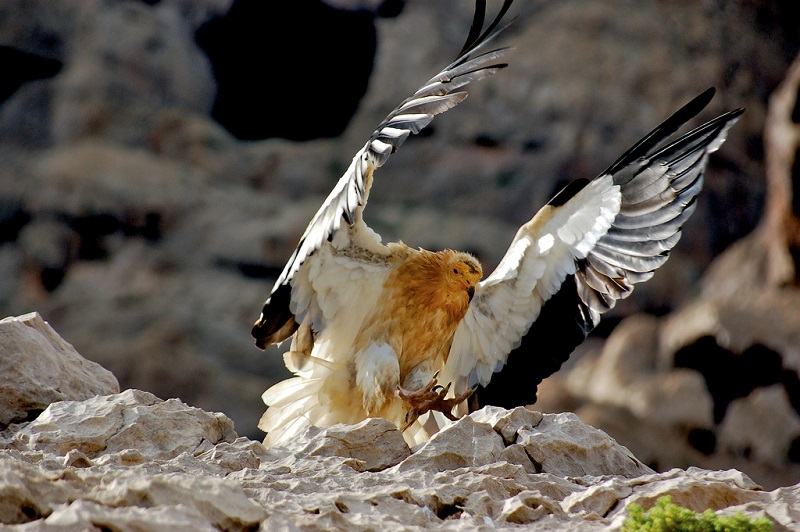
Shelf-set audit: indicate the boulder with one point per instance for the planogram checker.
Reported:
(114, 423)
(372, 445)
(563, 445)
(38, 367)
(713, 384)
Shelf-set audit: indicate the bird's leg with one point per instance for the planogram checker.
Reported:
(430, 397)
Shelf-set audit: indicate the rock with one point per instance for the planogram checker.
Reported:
(702, 386)
(563, 445)
(508, 422)
(769, 319)
(114, 423)
(74, 497)
(96, 177)
(116, 96)
(84, 514)
(762, 426)
(766, 259)
(466, 443)
(453, 482)
(38, 368)
(133, 461)
(373, 444)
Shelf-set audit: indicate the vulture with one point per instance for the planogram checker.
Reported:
(420, 337)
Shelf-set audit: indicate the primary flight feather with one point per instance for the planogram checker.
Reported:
(375, 328)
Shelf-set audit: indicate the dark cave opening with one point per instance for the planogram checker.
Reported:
(295, 70)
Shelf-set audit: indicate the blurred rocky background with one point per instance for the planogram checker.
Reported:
(161, 158)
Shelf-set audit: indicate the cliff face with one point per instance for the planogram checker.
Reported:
(133, 461)
(149, 234)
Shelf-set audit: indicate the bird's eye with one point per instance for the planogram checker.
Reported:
(455, 270)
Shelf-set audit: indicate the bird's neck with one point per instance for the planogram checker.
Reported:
(422, 287)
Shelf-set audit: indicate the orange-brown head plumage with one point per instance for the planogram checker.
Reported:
(444, 280)
(463, 273)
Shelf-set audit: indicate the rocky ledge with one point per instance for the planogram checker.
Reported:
(131, 461)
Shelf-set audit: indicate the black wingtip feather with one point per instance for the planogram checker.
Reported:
(664, 130)
(475, 37)
(699, 135)
(475, 28)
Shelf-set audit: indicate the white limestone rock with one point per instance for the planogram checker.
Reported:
(38, 367)
(130, 420)
(564, 445)
(460, 480)
(131, 461)
(86, 515)
(465, 443)
(508, 422)
(373, 444)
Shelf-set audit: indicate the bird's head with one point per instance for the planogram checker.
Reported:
(464, 272)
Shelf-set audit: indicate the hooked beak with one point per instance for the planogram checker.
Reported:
(471, 292)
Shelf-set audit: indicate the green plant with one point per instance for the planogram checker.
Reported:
(668, 517)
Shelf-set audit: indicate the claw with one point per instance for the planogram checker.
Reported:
(430, 397)
(408, 395)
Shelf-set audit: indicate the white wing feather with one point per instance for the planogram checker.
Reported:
(540, 257)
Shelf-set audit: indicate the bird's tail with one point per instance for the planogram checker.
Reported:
(317, 395)
(292, 405)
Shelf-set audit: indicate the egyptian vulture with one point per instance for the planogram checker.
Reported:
(376, 327)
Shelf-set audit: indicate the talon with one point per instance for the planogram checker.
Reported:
(428, 398)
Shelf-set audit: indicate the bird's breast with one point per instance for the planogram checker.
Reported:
(418, 317)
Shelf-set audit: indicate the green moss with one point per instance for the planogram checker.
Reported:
(667, 517)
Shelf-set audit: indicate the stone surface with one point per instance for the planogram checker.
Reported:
(373, 444)
(114, 423)
(713, 384)
(465, 444)
(763, 426)
(589, 452)
(131, 461)
(37, 367)
(81, 478)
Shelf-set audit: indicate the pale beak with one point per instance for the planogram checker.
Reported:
(471, 292)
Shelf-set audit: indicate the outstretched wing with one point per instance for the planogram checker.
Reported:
(578, 256)
(345, 204)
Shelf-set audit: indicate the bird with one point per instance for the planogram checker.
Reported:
(420, 337)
